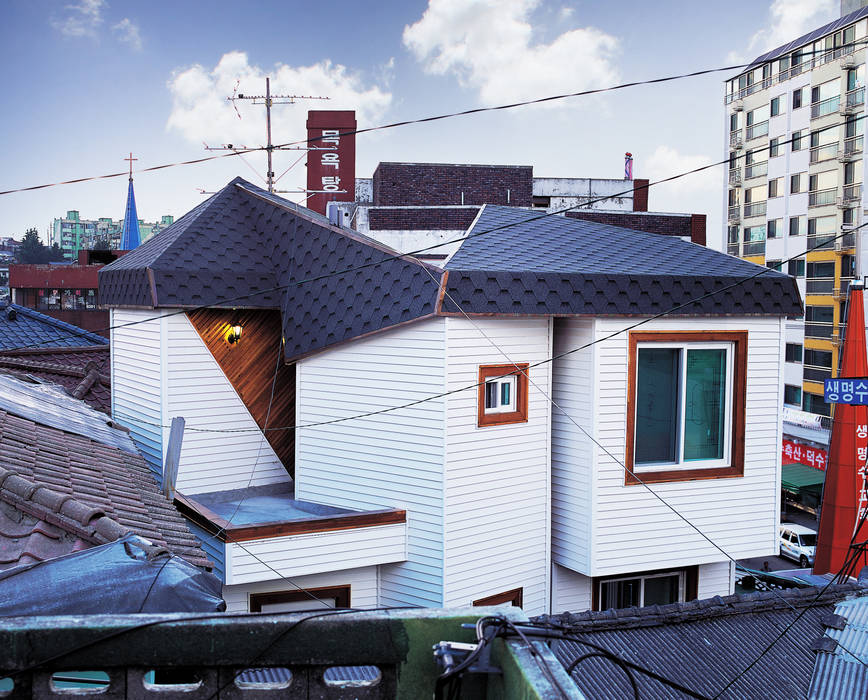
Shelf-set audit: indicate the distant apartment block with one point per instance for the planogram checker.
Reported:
(795, 141)
(73, 233)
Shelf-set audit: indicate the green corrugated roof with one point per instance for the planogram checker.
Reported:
(798, 476)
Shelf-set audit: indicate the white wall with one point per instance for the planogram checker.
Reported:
(631, 529)
(716, 579)
(136, 380)
(197, 389)
(497, 477)
(571, 592)
(391, 460)
(362, 582)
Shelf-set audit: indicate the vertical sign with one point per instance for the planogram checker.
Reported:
(331, 165)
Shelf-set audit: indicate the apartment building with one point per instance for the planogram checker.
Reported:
(794, 134)
(72, 233)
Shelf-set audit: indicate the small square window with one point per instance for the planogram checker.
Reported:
(502, 394)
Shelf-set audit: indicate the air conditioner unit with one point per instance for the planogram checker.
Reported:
(846, 157)
(844, 109)
(848, 61)
(840, 202)
(738, 105)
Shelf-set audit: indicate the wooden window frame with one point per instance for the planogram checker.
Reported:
(691, 582)
(519, 415)
(341, 594)
(513, 597)
(737, 416)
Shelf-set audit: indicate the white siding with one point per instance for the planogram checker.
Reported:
(314, 553)
(571, 592)
(573, 454)
(393, 459)
(362, 582)
(632, 530)
(198, 390)
(716, 579)
(497, 477)
(136, 380)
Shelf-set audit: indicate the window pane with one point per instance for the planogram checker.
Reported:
(705, 400)
(661, 590)
(504, 393)
(620, 594)
(491, 394)
(657, 410)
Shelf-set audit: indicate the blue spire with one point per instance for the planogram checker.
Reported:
(130, 237)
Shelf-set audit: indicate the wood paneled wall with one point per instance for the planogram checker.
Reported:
(250, 367)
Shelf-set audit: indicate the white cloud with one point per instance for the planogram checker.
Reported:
(82, 19)
(200, 111)
(788, 20)
(128, 33)
(488, 45)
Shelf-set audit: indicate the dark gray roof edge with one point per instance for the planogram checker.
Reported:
(353, 235)
(57, 323)
(453, 165)
(810, 36)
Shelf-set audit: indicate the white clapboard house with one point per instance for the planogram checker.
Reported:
(380, 431)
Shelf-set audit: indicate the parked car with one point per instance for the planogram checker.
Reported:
(798, 542)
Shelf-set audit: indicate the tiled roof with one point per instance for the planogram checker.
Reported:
(21, 327)
(83, 372)
(247, 248)
(705, 644)
(837, 674)
(536, 264)
(105, 479)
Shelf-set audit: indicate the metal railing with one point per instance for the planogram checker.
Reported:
(820, 285)
(732, 249)
(824, 152)
(848, 240)
(755, 209)
(735, 138)
(734, 213)
(753, 248)
(822, 198)
(756, 170)
(854, 144)
(735, 176)
(755, 131)
(856, 97)
(816, 374)
(853, 193)
(826, 107)
(818, 330)
(821, 241)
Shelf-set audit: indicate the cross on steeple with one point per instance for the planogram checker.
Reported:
(131, 159)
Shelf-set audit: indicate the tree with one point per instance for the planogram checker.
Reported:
(32, 250)
(101, 243)
(54, 254)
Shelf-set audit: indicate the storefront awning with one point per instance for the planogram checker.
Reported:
(795, 477)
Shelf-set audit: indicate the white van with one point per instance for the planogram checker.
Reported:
(798, 543)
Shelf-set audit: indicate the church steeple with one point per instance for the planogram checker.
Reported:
(130, 237)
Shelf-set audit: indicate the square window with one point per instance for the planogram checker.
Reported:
(645, 588)
(502, 394)
(685, 415)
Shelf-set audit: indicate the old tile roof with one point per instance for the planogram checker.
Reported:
(21, 328)
(100, 476)
(247, 248)
(704, 644)
(83, 371)
(552, 265)
(837, 674)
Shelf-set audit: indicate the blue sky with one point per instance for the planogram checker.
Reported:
(88, 81)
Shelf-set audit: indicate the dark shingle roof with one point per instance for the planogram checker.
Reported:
(245, 247)
(704, 644)
(21, 327)
(535, 264)
(107, 480)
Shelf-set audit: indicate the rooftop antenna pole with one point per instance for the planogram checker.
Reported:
(268, 100)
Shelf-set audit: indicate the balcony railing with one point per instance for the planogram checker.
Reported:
(826, 107)
(734, 138)
(735, 176)
(822, 198)
(732, 249)
(819, 285)
(854, 144)
(821, 241)
(818, 330)
(824, 152)
(753, 248)
(756, 170)
(856, 97)
(848, 240)
(816, 374)
(853, 193)
(754, 131)
(734, 213)
(756, 209)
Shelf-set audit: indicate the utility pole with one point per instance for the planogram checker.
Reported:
(268, 100)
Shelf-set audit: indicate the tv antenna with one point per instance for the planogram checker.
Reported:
(268, 100)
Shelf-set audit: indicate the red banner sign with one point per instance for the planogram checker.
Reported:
(811, 456)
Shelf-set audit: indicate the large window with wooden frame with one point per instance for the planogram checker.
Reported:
(300, 600)
(502, 394)
(685, 412)
(645, 588)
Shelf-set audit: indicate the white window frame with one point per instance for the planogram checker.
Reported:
(682, 464)
(682, 584)
(510, 407)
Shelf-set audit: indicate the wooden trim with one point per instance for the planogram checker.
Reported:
(444, 281)
(739, 340)
(513, 597)
(519, 415)
(341, 594)
(152, 283)
(691, 582)
(226, 532)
